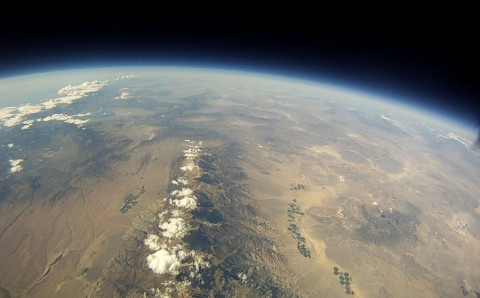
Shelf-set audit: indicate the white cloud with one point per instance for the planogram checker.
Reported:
(162, 216)
(189, 167)
(27, 124)
(12, 116)
(124, 95)
(459, 139)
(171, 257)
(162, 262)
(184, 198)
(385, 118)
(83, 115)
(171, 260)
(153, 242)
(29, 109)
(201, 263)
(242, 277)
(393, 122)
(125, 77)
(7, 112)
(182, 193)
(192, 152)
(182, 180)
(174, 228)
(72, 93)
(181, 253)
(59, 117)
(169, 214)
(155, 292)
(16, 165)
(66, 119)
(10, 145)
(177, 213)
(427, 127)
(82, 89)
(189, 202)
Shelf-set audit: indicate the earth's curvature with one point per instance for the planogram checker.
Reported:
(183, 182)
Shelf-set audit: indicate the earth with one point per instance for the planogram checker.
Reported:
(182, 182)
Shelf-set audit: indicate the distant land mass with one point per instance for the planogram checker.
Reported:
(184, 182)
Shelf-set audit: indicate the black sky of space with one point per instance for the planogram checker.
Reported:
(433, 66)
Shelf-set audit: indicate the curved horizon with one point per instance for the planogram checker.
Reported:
(469, 125)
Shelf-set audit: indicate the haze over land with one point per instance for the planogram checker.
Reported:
(184, 182)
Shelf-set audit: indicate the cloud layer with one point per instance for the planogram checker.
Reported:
(12, 116)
